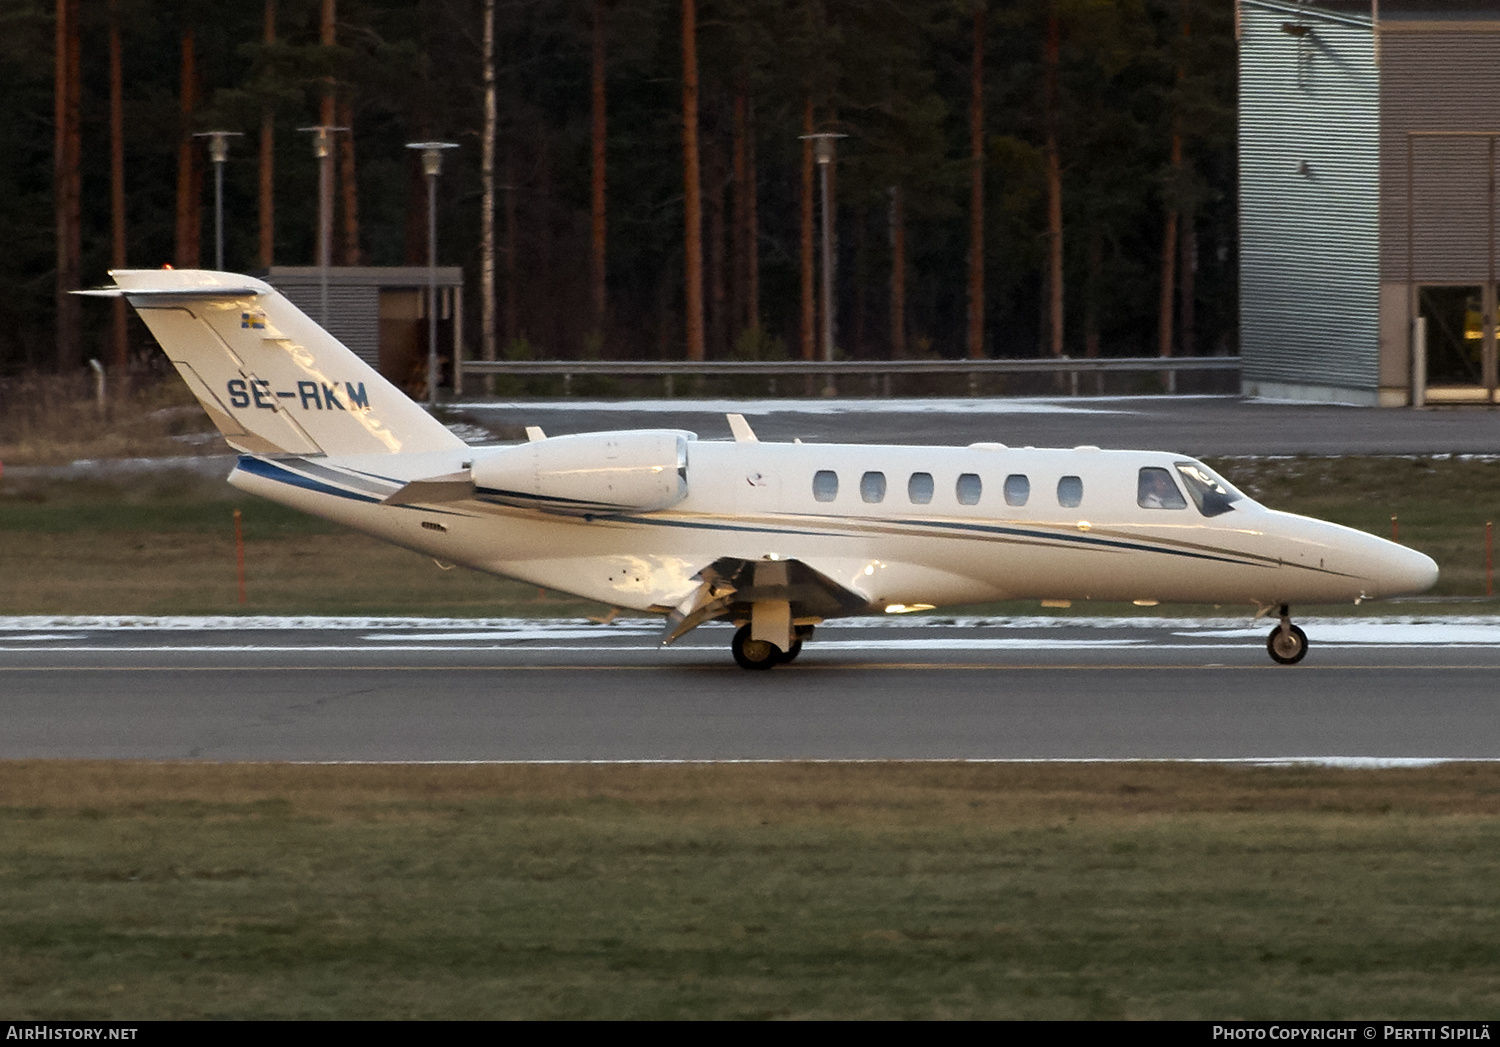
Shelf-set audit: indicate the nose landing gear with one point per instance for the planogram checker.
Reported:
(1287, 644)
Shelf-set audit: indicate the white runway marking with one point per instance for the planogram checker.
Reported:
(234, 635)
(518, 634)
(1365, 633)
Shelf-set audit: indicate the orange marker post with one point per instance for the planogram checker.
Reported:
(239, 555)
(1489, 558)
(1395, 530)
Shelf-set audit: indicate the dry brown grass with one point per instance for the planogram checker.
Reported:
(189, 572)
(145, 890)
(50, 419)
(845, 794)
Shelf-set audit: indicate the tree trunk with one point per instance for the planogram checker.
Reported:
(66, 159)
(752, 223)
(739, 259)
(119, 343)
(598, 293)
(809, 300)
(512, 296)
(1189, 250)
(898, 274)
(348, 187)
(692, 201)
(1054, 191)
(1173, 229)
(268, 161)
(414, 233)
(546, 326)
(326, 37)
(487, 197)
(1186, 288)
(189, 195)
(1091, 296)
(718, 325)
(1169, 255)
(976, 192)
(858, 348)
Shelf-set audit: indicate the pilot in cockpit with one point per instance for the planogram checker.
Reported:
(1157, 491)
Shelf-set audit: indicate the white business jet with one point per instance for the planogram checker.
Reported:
(773, 537)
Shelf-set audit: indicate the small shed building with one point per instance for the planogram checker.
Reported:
(1368, 132)
(380, 312)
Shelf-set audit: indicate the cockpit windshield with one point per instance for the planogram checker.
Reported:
(1210, 493)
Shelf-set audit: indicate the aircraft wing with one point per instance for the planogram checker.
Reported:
(731, 586)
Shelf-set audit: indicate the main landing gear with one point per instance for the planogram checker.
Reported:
(762, 654)
(1287, 644)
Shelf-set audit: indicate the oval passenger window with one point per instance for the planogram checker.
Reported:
(969, 489)
(1069, 492)
(825, 485)
(872, 487)
(1017, 489)
(919, 488)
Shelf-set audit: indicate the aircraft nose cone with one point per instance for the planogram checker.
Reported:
(1403, 571)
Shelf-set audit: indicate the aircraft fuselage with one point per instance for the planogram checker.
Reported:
(948, 536)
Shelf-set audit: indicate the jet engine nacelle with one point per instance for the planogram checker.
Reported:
(637, 471)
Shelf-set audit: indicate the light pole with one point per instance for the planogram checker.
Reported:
(823, 144)
(218, 152)
(323, 151)
(432, 166)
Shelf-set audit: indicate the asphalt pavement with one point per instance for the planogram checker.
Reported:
(1196, 425)
(411, 690)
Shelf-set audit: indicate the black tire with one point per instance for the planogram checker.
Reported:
(754, 654)
(1288, 649)
(791, 656)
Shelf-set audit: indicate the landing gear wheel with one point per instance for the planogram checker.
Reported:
(1288, 646)
(802, 632)
(754, 654)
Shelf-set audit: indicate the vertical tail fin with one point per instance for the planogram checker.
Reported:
(271, 379)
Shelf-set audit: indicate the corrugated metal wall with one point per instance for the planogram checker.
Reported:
(1309, 199)
(1437, 78)
(353, 314)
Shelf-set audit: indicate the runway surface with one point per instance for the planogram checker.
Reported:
(464, 690)
(1196, 425)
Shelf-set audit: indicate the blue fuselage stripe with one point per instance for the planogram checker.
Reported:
(279, 474)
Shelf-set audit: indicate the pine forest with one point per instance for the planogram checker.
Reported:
(633, 179)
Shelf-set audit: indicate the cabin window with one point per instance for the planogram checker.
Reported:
(1070, 492)
(825, 485)
(969, 489)
(1017, 489)
(919, 488)
(1210, 494)
(1155, 490)
(872, 487)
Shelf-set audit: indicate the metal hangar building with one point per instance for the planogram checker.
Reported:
(1368, 132)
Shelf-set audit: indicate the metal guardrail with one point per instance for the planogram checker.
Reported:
(878, 369)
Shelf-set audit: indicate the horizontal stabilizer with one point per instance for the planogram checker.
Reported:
(169, 292)
(454, 487)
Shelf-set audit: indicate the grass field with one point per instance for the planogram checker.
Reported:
(137, 890)
(164, 544)
(133, 890)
